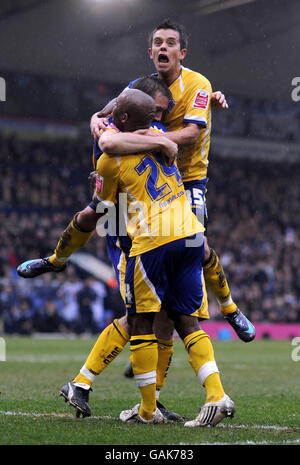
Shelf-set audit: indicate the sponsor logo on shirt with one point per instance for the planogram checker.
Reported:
(201, 99)
(99, 183)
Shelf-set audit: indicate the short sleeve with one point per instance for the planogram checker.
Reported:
(107, 178)
(198, 101)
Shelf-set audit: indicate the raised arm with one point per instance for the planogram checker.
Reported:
(218, 100)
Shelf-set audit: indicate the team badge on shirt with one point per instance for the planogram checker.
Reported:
(99, 183)
(201, 99)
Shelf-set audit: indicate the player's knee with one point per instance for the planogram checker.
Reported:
(164, 333)
(206, 249)
(186, 324)
(163, 326)
(87, 219)
(140, 323)
(123, 323)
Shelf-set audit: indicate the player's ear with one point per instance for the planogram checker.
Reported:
(150, 53)
(183, 53)
(124, 118)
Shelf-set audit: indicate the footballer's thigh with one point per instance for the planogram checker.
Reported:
(185, 276)
(145, 283)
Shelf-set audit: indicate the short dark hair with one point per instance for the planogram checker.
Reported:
(151, 85)
(168, 24)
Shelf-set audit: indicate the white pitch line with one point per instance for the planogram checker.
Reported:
(245, 443)
(107, 417)
(272, 427)
(53, 415)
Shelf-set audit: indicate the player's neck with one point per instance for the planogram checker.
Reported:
(170, 76)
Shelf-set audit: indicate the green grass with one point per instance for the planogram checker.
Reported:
(260, 377)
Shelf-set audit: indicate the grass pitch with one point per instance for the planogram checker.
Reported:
(260, 377)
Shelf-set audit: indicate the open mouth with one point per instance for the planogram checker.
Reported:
(163, 58)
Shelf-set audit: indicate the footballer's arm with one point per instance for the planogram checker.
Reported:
(99, 119)
(130, 142)
(107, 110)
(185, 136)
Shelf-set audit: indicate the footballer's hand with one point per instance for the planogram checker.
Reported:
(97, 124)
(92, 181)
(218, 100)
(170, 151)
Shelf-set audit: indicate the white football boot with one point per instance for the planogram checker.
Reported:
(212, 413)
(132, 416)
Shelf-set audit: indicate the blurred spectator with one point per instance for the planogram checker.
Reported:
(100, 313)
(18, 318)
(114, 302)
(86, 298)
(68, 292)
(48, 320)
(11, 317)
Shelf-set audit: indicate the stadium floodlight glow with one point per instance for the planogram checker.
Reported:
(97, 2)
(96, 6)
(205, 7)
(107, 2)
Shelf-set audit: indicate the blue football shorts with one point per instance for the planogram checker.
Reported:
(169, 276)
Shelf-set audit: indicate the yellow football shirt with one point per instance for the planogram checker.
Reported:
(158, 211)
(191, 93)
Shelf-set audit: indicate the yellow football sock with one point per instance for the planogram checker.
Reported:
(72, 239)
(202, 359)
(109, 345)
(216, 281)
(165, 354)
(148, 403)
(144, 357)
(214, 388)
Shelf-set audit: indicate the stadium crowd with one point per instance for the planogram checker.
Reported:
(60, 99)
(254, 224)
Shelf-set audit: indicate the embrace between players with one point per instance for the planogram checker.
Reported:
(162, 277)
